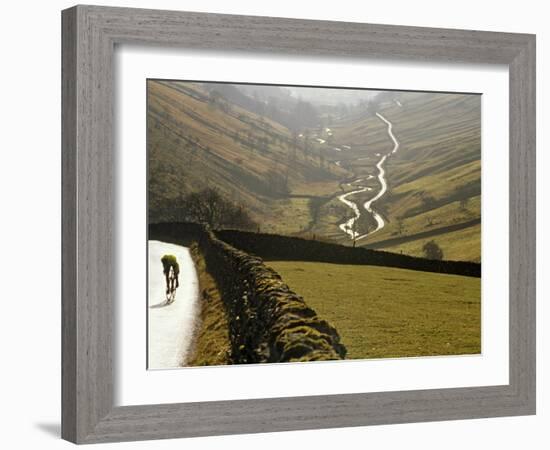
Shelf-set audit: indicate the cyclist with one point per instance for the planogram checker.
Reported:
(171, 271)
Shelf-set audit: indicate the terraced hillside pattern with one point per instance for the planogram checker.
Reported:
(290, 177)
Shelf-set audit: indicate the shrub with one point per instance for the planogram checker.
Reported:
(432, 250)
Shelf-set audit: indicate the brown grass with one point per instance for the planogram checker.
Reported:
(212, 341)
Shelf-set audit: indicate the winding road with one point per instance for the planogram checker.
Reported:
(349, 225)
(171, 326)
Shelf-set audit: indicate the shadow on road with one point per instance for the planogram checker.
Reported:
(161, 305)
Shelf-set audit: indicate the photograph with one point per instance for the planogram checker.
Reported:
(296, 223)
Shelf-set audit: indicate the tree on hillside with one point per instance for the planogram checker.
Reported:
(277, 182)
(400, 226)
(210, 207)
(432, 250)
(428, 201)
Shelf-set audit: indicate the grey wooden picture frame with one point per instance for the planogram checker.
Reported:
(90, 34)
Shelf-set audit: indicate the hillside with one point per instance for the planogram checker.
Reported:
(317, 181)
(197, 139)
(434, 178)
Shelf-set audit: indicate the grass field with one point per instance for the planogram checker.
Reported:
(461, 245)
(385, 312)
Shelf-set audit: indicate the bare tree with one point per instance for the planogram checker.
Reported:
(209, 207)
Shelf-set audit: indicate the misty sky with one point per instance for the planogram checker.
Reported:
(316, 96)
(329, 96)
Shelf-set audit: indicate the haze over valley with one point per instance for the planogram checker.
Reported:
(378, 169)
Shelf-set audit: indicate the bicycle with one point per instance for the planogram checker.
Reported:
(171, 272)
(171, 286)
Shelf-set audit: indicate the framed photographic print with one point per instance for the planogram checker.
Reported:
(265, 229)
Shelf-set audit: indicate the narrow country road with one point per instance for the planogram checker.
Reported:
(170, 327)
(349, 225)
(382, 179)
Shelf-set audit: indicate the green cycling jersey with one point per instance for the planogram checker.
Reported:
(170, 261)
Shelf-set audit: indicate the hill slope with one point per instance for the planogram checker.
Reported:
(291, 181)
(197, 139)
(434, 179)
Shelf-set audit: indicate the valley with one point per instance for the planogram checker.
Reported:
(392, 173)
